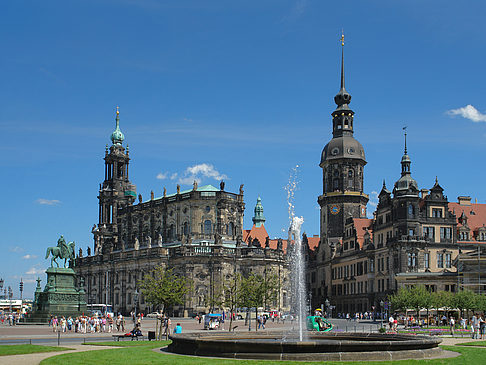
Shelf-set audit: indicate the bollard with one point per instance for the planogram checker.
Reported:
(30, 341)
(58, 338)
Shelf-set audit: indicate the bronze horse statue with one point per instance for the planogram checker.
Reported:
(63, 250)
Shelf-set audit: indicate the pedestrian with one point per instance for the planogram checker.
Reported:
(178, 328)
(452, 323)
(482, 325)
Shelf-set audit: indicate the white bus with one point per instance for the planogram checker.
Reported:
(101, 309)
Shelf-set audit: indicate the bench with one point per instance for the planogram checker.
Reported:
(117, 337)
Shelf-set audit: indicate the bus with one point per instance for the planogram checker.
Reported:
(101, 309)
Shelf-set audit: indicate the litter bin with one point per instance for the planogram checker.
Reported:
(151, 335)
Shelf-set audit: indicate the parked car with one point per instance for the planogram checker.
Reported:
(154, 315)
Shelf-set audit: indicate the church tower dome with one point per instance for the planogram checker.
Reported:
(258, 218)
(117, 136)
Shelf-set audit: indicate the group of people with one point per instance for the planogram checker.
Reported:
(477, 326)
(87, 324)
(9, 318)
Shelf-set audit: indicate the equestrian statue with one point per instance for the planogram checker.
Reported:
(62, 251)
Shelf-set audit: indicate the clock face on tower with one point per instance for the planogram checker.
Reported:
(334, 209)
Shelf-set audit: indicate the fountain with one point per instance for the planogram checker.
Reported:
(308, 346)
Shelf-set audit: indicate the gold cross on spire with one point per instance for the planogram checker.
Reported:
(342, 38)
(117, 109)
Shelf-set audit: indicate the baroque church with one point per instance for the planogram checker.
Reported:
(197, 232)
(416, 236)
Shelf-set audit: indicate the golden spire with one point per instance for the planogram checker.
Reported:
(117, 110)
(342, 37)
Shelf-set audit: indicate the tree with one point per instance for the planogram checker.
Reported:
(401, 299)
(232, 289)
(163, 288)
(257, 290)
(464, 300)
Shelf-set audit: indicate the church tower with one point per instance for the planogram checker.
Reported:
(342, 163)
(116, 191)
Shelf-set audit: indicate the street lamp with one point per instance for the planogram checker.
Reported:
(21, 287)
(381, 313)
(327, 304)
(135, 298)
(10, 295)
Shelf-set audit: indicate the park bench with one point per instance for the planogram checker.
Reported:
(117, 337)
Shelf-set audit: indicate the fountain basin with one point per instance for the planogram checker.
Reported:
(316, 347)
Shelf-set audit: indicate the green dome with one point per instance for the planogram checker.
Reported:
(117, 136)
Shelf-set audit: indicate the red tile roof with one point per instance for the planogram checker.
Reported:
(361, 225)
(255, 232)
(475, 213)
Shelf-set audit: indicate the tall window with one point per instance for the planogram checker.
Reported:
(445, 233)
(429, 232)
(436, 212)
(412, 260)
(411, 210)
(440, 260)
(427, 260)
(448, 262)
(229, 230)
(207, 226)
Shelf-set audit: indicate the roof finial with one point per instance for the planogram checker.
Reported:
(436, 180)
(405, 133)
(384, 185)
(342, 59)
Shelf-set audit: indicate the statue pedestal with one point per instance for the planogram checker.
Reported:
(60, 296)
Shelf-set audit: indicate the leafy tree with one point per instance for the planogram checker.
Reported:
(401, 299)
(163, 288)
(464, 300)
(232, 292)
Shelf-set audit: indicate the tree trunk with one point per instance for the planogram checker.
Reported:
(231, 319)
(256, 319)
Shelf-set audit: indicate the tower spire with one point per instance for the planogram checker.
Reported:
(342, 60)
(258, 219)
(405, 135)
(117, 136)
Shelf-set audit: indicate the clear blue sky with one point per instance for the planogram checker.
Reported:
(244, 86)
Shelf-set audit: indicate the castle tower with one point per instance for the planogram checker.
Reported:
(258, 218)
(115, 191)
(342, 163)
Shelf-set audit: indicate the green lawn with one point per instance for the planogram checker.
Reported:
(477, 343)
(141, 353)
(6, 350)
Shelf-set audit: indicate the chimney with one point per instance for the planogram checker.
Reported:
(464, 200)
(424, 193)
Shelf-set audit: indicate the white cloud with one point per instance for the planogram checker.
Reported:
(16, 249)
(468, 112)
(173, 176)
(296, 12)
(35, 271)
(200, 171)
(48, 202)
(29, 257)
(373, 202)
(162, 175)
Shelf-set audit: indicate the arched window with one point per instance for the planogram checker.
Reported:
(207, 226)
(230, 228)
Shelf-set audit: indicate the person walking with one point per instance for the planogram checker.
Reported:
(482, 325)
(452, 323)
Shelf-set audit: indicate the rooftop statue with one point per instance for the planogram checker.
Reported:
(63, 250)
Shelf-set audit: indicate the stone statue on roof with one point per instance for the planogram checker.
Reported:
(241, 189)
(139, 198)
(165, 192)
(194, 185)
(221, 185)
(178, 189)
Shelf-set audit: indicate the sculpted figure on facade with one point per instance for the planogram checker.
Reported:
(137, 244)
(149, 242)
(159, 240)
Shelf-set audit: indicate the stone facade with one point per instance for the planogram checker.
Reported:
(197, 232)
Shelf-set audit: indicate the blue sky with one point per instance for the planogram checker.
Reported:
(244, 87)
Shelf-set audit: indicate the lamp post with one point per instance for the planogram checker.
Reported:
(135, 298)
(1, 286)
(21, 287)
(327, 304)
(10, 295)
(381, 313)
